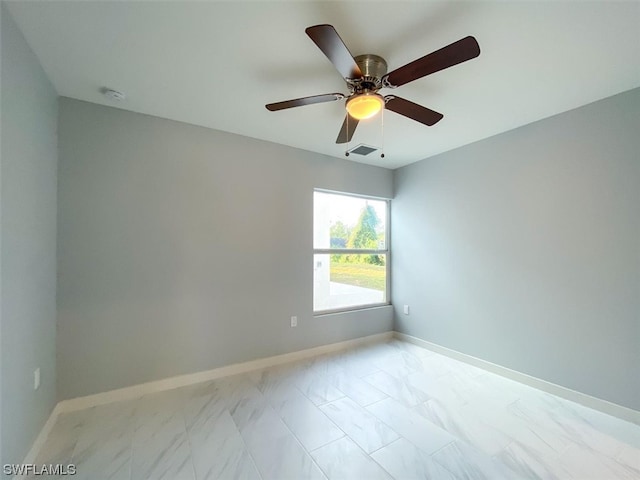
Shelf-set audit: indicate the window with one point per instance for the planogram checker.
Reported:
(350, 251)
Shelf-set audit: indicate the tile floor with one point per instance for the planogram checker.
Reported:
(390, 410)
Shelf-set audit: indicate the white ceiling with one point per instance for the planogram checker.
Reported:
(217, 64)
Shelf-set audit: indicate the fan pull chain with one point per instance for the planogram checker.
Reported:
(382, 129)
(346, 153)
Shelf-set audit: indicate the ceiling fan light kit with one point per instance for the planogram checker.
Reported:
(365, 105)
(366, 74)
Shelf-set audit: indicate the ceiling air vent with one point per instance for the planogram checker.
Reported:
(363, 149)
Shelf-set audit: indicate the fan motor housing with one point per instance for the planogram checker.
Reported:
(373, 68)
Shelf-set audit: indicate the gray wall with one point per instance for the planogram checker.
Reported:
(28, 248)
(183, 249)
(524, 249)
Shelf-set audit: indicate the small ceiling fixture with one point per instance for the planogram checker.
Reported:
(113, 94)
(365, 105)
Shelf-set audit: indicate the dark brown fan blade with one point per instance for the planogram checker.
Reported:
(348, 129)
(446, 57)
(412, 110)
(328, 40)
(299, 102)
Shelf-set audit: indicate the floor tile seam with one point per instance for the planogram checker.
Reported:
(370, 455)
(322, 470)
(330, 379)
(440, 464)
(320, 411)
(325, 416)
(364, 379)
(327, 443)
(415, 409)
(372, 404)
(382, 466)
(318, 405)
(410, 388)
(267, 405)
(430, 455)
(322, 404)
(435, 452)
(245, 446)
(191, 443)
(370, 413)
(391, 427)
(375, 401)
(454, 433)
(295, 437)
(400, 437)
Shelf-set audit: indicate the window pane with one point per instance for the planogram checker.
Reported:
(343, 221)
(341, 280)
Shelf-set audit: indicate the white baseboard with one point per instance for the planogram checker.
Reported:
(595, 403)
(136, 391)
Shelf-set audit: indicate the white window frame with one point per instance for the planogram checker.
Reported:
(345, 251)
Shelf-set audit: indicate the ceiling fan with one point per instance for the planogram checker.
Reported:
(366, 74)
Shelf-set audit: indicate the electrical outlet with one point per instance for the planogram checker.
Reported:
(294, 321)
(36, 378)
(406, 309)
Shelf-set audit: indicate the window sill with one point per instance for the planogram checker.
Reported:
(325, 313)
